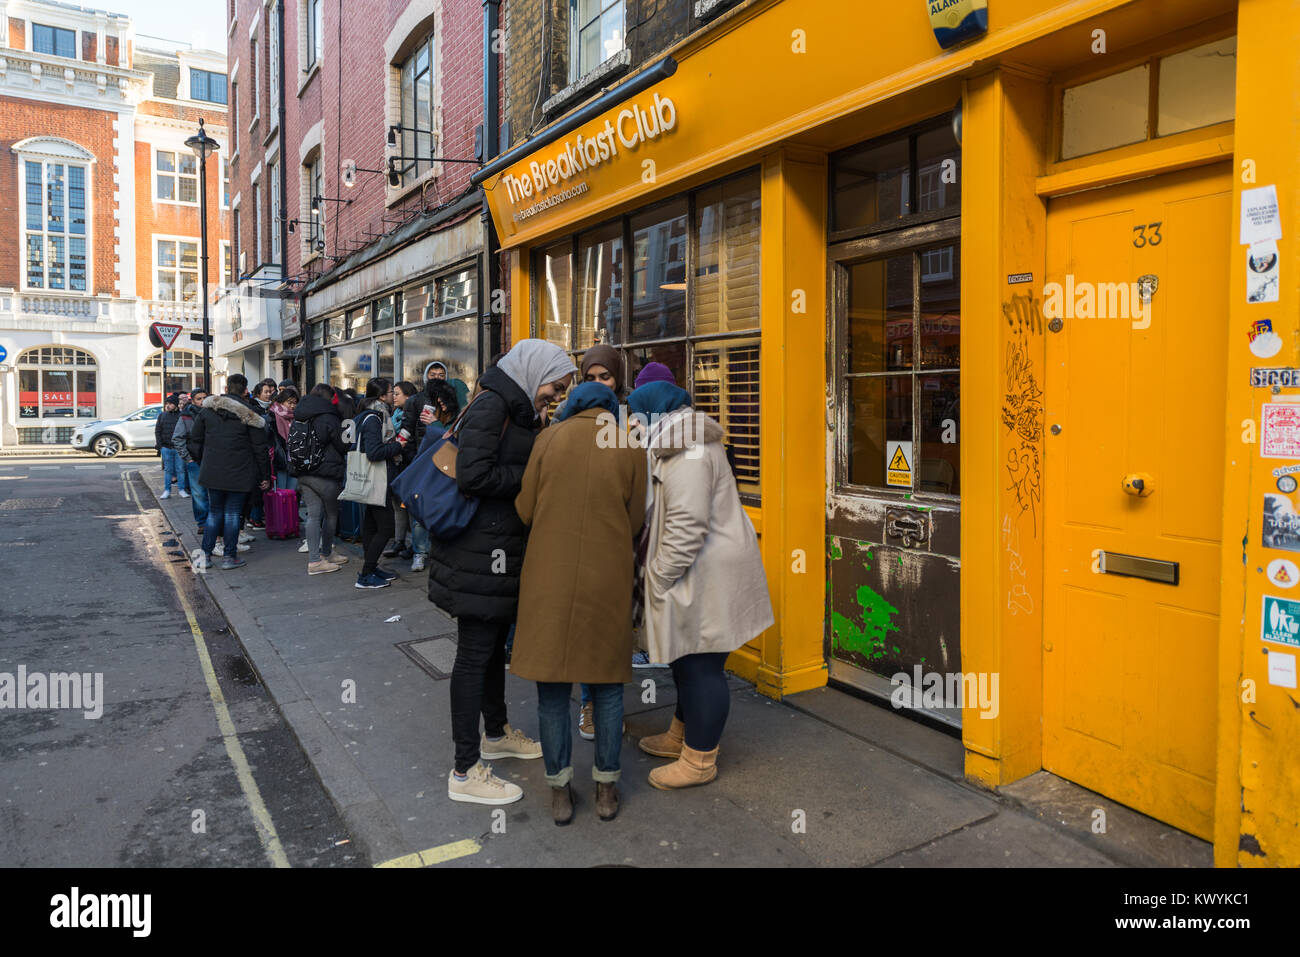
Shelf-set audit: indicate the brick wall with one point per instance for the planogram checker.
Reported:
(348, 95)
(17, 34)
(90, 129)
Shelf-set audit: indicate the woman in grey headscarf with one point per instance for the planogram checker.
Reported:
(475, 576)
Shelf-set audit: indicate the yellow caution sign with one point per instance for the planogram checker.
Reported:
(898, 473)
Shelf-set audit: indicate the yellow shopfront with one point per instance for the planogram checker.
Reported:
(867, 258)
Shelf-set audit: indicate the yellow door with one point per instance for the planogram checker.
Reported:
(1134, 395)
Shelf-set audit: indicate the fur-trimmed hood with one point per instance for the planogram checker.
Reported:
(232, 408)
(680, 430)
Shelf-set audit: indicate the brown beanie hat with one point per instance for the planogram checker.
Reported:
(607, 356)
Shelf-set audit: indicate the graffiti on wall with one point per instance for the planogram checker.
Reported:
(1022, 422)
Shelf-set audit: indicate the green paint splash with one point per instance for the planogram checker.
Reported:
(877, 621)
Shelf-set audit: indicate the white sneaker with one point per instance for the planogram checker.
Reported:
(245, 539)
(167, 493)
(303, 546)
(481, 786)
(184, 494)
(219, 549)
(515, 744)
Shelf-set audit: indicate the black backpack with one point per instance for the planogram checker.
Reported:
(305, 449)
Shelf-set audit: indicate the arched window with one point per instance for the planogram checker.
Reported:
(56, 382)
(184, 374)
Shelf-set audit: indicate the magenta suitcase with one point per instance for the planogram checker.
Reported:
(281, 513)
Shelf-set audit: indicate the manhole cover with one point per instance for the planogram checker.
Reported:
(435, 655)
(16, 504)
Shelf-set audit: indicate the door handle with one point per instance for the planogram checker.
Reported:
(1139, 484)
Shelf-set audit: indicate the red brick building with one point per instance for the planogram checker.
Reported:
(100, 197)
(349, 275)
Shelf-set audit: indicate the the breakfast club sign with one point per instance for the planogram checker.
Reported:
(559, 173)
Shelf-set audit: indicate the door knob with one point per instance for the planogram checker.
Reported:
(1139, 484)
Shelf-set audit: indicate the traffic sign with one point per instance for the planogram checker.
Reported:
(164, 333)
(4, 353)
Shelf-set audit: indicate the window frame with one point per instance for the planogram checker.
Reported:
(315, 23)
(916, 239)
(196, 72)
(412, 170)
(275, 203)
(576, 66)
(55, 31)
(177, 270)
(175, 175)
(45, 234)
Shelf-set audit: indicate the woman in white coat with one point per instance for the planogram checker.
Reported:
(705, 591)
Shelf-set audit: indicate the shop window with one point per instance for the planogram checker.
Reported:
(1191, 89)
(334, 330)
(383, 315)
(458, 292)
(598, 34)
(55, 202)
(599, 305)
(913, 176)
(658, 293)
(359, 322)
(208, 86)
(176, 268)
(176, 177)
(184, 374)
(56, 382)
(453, 342)
(692, 295)
(901, 369)
(54, 40)
(553, 278)
(416, 112)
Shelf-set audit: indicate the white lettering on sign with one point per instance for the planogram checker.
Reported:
(633, 127)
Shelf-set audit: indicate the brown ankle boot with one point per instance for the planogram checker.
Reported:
(607, 800)
(692, 768)
(666, 745)
(562, 805)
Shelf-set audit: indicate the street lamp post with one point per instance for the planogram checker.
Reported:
(202, 145)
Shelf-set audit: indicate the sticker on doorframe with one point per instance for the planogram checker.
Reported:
(1281, 669)
(1280, 621)
(1261, 219)
(1262, 272)
(1264, 342)
(1281, 526)
(1279, 428)
(1283, 573)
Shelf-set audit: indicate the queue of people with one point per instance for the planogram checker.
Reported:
(605, 545)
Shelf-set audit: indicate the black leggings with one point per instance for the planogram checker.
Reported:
(703, 698)
(376, 530)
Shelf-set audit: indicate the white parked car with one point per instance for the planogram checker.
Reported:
(107, 437)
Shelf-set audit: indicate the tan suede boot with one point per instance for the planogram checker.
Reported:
(692, 768)
(666, 745)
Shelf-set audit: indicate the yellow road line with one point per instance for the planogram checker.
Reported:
(266, 832)
(435, 855)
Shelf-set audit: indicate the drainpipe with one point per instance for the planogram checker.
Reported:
(490, 274)
(284, 174)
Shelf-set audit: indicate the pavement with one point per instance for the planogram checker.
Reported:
(821, 778)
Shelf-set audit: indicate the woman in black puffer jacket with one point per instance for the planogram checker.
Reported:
(320, 486)
(475, 576)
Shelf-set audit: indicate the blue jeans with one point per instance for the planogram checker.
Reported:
(419, 538)
(199, 495)
(283, 480)
(555, 726)
(224, 509)
(174, 468)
